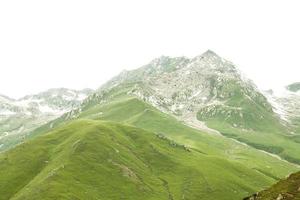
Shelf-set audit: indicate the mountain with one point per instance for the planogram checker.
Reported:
(288, 189)
(19, 117)
(207, 87)
(176, 128)
(124, 100)
(207, 92)
(182, 86)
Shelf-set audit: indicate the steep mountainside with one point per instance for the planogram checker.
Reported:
(288, 189)
(207, 91)
(207, 87)
(206, 84)
(18, 117)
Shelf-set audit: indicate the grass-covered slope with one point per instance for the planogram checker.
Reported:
(133, 111)
(90, 159)
(288, 189)
(282, 144)
(229, 170)
(252, 121)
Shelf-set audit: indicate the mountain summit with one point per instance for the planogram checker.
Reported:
(206, 84)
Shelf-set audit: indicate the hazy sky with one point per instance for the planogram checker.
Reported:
(77, 44)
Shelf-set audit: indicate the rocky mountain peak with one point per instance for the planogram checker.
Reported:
(206, 84)
(210, 53)
(210, 62)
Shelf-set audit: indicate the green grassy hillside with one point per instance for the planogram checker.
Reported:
(89, 159)
(207, 166)
(283, 144)
(252, 121)
(133, 111)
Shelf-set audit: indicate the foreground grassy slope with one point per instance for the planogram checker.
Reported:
(288, 189)
(90, 159)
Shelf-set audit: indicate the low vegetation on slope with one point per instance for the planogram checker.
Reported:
(287, 189)
(90, 159)
(243, 170)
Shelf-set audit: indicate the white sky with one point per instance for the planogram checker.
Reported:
(78, 44)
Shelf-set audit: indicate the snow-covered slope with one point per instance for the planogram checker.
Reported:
(18, 117)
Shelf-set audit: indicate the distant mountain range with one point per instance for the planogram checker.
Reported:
(19, 117)
(175, 128)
